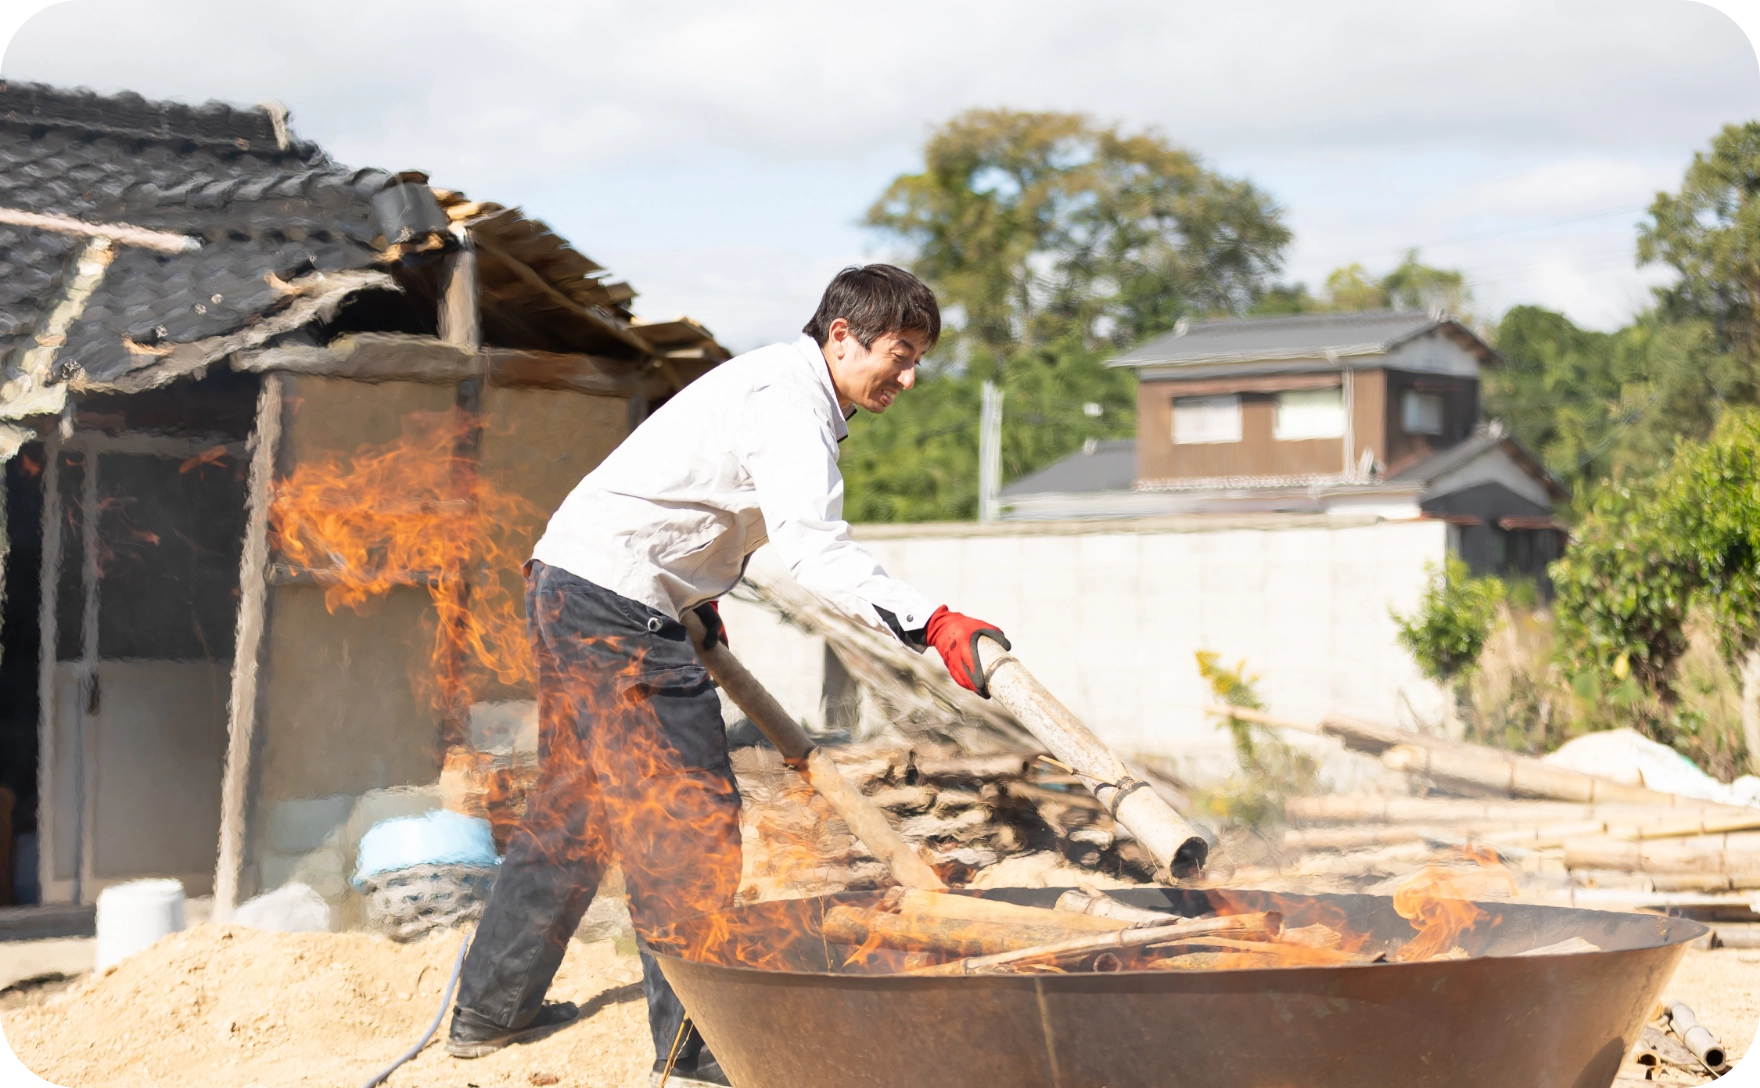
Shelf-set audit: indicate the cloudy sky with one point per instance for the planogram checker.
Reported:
(720, 155)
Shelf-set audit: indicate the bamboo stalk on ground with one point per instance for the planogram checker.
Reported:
(1267, 924)
(1697, 1038)
(1460, 762)
(1735, 853)
(1372, 807)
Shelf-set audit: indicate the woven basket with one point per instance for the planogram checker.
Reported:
(406, 903)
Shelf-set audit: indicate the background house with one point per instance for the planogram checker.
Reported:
(1353, 413)
(195, 307)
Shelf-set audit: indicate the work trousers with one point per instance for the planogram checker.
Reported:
(633, 770)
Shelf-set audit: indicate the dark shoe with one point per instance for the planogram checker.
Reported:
(472, 1036)
(704, 1073)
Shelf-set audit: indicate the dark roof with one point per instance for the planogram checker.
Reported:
(1301, 336)
(1485, 439)
(1112, 466)
(267, 209)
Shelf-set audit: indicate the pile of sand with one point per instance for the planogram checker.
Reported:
(235, 1006)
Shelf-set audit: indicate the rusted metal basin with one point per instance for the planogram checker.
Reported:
(1496, 1020)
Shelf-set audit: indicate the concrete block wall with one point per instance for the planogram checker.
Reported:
(1110, 616)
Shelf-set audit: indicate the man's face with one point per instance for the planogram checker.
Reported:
(872, 377)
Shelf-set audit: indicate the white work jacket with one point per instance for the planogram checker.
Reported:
(744, 454)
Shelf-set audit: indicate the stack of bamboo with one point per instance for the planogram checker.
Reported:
(967, 813)
(1545, 818)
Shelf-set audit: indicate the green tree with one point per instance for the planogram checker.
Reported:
(1350, 288)
(1646, 554)
(1051, 241)
(1596, 404)
(1709, 232)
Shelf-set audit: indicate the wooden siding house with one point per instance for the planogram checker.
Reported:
(1366, 414)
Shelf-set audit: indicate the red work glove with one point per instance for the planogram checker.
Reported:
(713, 629)
(955, 638)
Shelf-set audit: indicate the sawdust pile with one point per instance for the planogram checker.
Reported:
(236, 1006)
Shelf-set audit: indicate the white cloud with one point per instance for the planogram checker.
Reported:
(755, 132)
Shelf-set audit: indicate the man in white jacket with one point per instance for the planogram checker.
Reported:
(633, 748)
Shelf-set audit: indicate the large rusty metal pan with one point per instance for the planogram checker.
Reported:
(1494, 1020)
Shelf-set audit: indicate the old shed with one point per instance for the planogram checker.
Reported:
(275, 431)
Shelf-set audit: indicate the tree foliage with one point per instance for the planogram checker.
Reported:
(1351, 289)
(1595, 404)
(1037, 224)
(1709, 232)
(1051, 241)
(1452, 621)
(1646, 554)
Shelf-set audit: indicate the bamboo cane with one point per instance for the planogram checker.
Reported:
(866, 822)
(1735, 853)
(914, 901)
(1094, 904)
(1697, 1038)
(916, 931)
(1373, 807)
(1173, 842)
(1269, 923)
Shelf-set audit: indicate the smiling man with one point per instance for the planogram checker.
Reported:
(633, 749)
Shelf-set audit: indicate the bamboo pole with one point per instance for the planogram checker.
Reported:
(1096, 905)
(1368, 807)
(1732, 853)
(1697, 1038)
(1173, 842)
(1269, 923)
(917, 931)
(253, 585)
(1464, 763)
(974, 908)
(866, 822)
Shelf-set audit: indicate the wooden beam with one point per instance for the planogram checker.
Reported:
(596, 316)
(49, 581)
(461, 321)
(382, 357)
(253, 592)
(547, 370)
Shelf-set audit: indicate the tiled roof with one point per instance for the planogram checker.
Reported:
(1298, 336)
(265, 207)
(1110, 466)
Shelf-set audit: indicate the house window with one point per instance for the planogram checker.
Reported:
(1309, 413)
(1206, 419)
(1421, 413)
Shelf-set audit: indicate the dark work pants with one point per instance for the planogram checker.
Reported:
(633, 770)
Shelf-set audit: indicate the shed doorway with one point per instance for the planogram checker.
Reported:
(141, 535)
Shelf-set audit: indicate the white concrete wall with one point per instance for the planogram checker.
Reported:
(1110, 616)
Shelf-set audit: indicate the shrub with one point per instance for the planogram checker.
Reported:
(1453, 620)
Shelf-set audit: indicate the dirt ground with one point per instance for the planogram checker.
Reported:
(234, 1006)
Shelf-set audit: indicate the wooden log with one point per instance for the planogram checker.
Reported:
(461, 320)
(1170, 840)
(956, 936)
(1694, 1035)
(241, 710)
(1269, 923)
(866, 822)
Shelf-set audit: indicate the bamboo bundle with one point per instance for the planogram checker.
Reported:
(1521, 775)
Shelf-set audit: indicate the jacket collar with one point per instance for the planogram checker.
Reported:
(809, 348)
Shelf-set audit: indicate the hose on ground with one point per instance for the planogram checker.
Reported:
(445, 1000)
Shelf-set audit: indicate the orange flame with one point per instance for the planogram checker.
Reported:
(1435, 900)
(415, 512)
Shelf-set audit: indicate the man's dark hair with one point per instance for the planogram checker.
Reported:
(876, 299)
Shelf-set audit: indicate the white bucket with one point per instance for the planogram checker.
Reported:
(132, 916)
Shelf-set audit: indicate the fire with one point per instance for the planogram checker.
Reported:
(1435, 900)
(415, 512)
